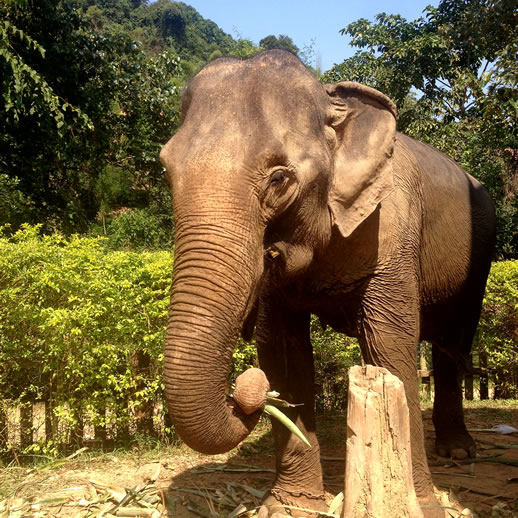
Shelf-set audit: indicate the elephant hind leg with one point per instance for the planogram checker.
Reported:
(451, 436)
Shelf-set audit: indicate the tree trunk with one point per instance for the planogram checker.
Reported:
(142, 364)
(49, 428)
(378, 447)
(77, 433)
(3, 427)
(100, 430)
(123, 430)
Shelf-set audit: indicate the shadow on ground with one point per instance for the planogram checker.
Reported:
(223, 483)
(216, 486)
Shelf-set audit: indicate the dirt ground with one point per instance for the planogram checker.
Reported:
(179, 483)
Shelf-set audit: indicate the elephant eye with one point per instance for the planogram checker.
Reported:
(278, 177)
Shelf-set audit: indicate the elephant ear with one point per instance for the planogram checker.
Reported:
(361, 127)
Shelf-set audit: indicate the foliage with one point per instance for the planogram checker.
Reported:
(244, 357)
(139, 229)
(81, 328)
(498, 328)
(334, 353)
(117, 106)
(23, 84)
(244, 48)
(455, 84)
(282, 42)
(13, 204)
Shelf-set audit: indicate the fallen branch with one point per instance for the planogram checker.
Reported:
(237, 468)
(498, 446)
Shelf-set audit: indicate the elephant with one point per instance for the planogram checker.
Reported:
(294, 198)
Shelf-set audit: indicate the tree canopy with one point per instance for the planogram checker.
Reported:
(282, 42)
(454, 75)
(90, 93)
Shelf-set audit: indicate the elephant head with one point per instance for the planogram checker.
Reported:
(266, 162)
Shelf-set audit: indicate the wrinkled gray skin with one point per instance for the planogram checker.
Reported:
(292, 198)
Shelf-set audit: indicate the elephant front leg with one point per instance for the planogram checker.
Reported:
(388, 338)
(286, 356)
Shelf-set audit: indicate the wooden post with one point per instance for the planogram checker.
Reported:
(468, 381)
(424, 372)
(378, 465)
(484, 378)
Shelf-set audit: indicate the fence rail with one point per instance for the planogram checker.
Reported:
(34, 428)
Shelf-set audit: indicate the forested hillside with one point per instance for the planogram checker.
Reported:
(90, 92)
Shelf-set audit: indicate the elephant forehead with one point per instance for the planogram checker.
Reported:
(242, 97)
(245, 121)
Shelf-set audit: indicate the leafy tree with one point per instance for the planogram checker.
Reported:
(498, 330)
(455, 84)
(108, 105)
(244, 48)
(282, 42)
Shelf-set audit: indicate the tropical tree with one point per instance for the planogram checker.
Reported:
(455, 84)
(282, 42)
(82, 109)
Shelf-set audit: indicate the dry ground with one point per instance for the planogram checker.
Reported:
(179, 483)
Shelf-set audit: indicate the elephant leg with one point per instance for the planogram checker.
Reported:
(389, 333)
(286, 356)
(451, 436)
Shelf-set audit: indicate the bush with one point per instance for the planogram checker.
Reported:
(334, 353)
(498, 328)
(140, 229)
(81, 328)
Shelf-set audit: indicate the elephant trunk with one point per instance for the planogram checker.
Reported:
(215, 277)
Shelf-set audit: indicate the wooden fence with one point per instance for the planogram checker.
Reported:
(22, 427)
(425, 374)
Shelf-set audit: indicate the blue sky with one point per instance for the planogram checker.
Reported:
(303, 20)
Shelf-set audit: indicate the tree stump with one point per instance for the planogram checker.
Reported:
(378, 465)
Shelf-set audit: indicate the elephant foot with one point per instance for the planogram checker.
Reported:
(457, 445)
(292, 503)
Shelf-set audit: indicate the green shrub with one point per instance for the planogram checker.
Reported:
(139, 229)
(334, 353)
(81, 328)
(498, 328)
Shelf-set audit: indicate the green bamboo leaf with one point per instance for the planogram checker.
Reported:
(287, 422)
